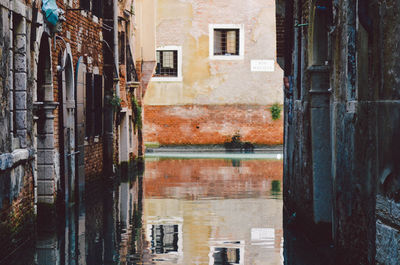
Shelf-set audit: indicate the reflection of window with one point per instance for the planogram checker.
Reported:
(164, 238)
(167, 63)
(227, 253)
(226, 42)
(226, 256)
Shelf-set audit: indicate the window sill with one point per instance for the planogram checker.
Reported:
(227, 57)
(166, 79)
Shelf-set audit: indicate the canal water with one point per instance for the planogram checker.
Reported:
(208, 211)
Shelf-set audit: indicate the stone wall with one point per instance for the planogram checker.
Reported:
(347, 79)
(17, 180)
(5, 143)
(211, 124)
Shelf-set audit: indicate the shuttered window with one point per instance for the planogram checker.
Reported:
(94, 105)
(98, 104)
(89, 105)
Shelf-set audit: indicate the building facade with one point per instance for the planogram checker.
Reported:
(217, 74)
(341, 165)
(71, 98)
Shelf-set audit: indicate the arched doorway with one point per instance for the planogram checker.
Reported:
(44, 125)
(67, 137)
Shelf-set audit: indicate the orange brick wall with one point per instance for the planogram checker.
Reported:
(211, 124)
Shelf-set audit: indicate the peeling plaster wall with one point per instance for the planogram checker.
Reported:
(205, 81)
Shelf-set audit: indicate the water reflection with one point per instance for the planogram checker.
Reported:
(216, 212)
(178, 211)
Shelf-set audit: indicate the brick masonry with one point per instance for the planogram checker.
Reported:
(211, 124)
(93, 160)
(85, 39)
(16, 209)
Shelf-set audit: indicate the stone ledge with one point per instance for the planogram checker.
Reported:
(9, 160)
(388, 210)
(387, 244)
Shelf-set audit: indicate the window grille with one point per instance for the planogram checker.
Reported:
(96, 6)
(226, 42)
(167, 63)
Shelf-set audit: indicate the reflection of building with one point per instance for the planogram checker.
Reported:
(206, 177)
(212, 231)
(216, 73)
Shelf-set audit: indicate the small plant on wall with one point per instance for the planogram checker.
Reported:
(115, 102)
(137, 114)
(276, 111)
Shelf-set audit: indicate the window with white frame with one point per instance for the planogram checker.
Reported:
(169, 64)
(226, 41)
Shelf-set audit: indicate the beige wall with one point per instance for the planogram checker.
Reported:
(205, 81)
(145, 12)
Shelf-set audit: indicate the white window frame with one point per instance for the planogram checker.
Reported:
(212, 27)
(171, 78)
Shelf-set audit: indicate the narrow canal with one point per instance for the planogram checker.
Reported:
(209, 211)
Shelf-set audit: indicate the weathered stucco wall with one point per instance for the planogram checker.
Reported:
(205, 81)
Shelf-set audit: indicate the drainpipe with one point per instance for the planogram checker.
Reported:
(116, 54)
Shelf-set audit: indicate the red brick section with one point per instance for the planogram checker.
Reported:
(93, 160)
(17, 218)
(209, 177)
(211, 124)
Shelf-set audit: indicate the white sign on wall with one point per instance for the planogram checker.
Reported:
(262, 65)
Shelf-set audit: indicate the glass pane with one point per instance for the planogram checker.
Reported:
(168, 59)
(231, 42)
(217, 42)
